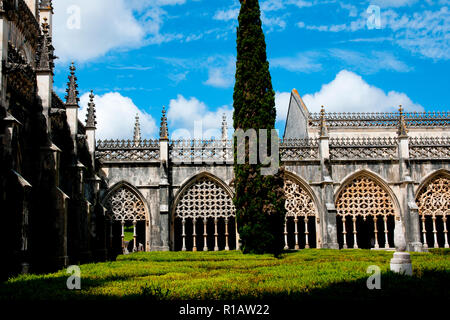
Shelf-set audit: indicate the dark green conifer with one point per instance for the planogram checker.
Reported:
(259, 199)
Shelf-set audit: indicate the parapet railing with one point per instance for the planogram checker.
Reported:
(429, 148)
(381, 119)
(221, 151)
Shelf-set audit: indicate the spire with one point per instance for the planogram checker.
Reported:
(137, 131)
(163, 130)
(323, 124)
(402, 130)
(72, 92)
(91, 117)
(45, 53)
(224, 127)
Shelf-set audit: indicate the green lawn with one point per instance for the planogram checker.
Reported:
(303, 275)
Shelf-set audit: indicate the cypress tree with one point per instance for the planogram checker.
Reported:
(259, 199)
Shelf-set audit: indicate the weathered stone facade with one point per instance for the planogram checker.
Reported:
(353, 181)
(49, 190)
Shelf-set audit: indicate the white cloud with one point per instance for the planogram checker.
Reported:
(348, 92)
(221, 71)
(116, 117)
(282, 100)
(370, 63)
(393, 3)
(107, 25)
(191, 118)
(305, 62)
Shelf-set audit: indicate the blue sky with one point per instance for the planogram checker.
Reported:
(138, 55)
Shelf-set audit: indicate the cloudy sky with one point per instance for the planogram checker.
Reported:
(140, 55)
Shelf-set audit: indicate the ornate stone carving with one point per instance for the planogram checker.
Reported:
(433, 202)
(363, 148)
(127, 150)
(205, 199)
(364, 197)
(378, 119)
(299, 149)
(429, 148)
(298, 202)
(124, 205)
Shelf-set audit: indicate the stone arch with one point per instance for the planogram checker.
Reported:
(433, 200)
(302, 214)
(367, 206)
(126, 206)
(203, 215)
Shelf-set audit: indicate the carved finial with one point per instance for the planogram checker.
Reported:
(91, 117)
(323, 123)
(224, 127)
(72, 86)
(163, 130)
(45, 51)
(137, 131)
(402, 130)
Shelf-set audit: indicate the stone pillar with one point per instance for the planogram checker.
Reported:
(327, 220)
(407, 226)
(164, 197)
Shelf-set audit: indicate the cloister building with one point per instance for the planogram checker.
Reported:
(353, 180)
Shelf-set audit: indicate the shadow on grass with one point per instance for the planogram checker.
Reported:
(427, 286)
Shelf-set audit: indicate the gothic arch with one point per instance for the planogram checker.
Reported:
(367, 206)
(302, 214)
(133, 191)
(204, 201)
(126, 206)
(433, 200)
(376, 178)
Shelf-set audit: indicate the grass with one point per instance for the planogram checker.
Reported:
(304, 275)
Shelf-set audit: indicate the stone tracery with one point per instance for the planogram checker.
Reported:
(299, 206)
(361, 199)
(205, 200)
(434, 201)
(123, 205)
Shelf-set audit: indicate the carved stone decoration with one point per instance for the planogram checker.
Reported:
(300, 207)
(205, 203)
(433, 202)
(205, 199)
(298, 202)
(364, 197)
(124, 205)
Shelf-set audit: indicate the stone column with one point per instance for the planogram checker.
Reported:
(328, 217)
(164, 198)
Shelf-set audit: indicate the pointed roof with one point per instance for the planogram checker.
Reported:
(45, 54)
(91, 117)
(72, 86)
(163, 130)
(137, 131)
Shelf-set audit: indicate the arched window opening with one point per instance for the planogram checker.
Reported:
(365, 215)
(127, 216)
(301, 218)
(434, 207)
(205, 218)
